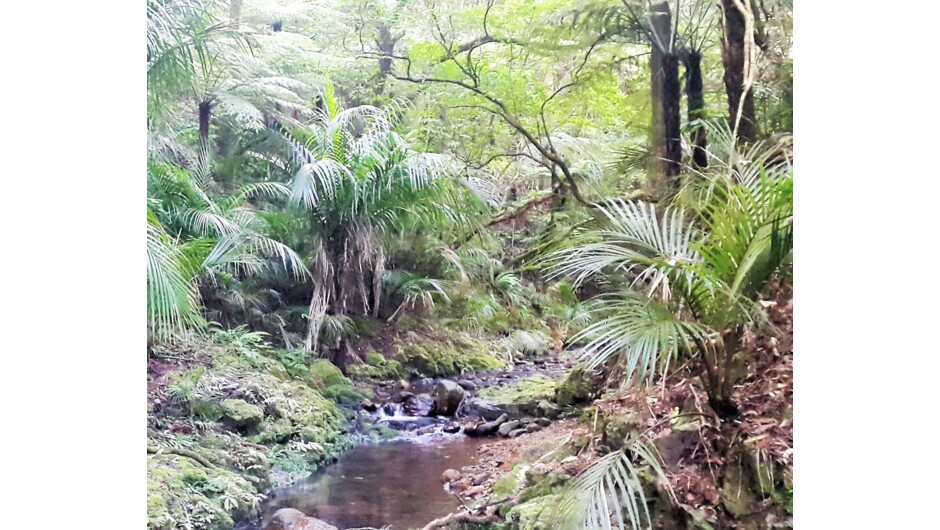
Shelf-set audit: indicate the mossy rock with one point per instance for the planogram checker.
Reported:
(207, 410)
(574, 389)
(543, 485)
(507, 485)
(619, 429)
(274, 431)
(344, 395)
(375, 359)
(180, 489)
(535, 514)
(306, 407)
(389, 369)
(326, 374)
(240, 413)
(530, 390)
(451, 356)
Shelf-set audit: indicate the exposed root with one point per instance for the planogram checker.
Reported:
(151, 450)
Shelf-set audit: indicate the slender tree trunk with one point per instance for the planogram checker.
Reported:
(733, 56)
(665, 92)
(695, 98)
(377, 278)
(205, 115)
(385, 42)
(720, 394)
(235, 11)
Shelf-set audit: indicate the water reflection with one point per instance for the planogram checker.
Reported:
(395, 484)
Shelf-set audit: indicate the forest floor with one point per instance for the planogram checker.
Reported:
(731, 474)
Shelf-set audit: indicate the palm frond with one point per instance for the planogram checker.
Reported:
(172, 297)
(609, 493)
(646, 332)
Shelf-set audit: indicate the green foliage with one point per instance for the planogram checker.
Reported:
(692, 290)
(294, 361)
(611, 484)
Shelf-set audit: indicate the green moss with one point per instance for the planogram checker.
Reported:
(305, 407)
(375, 359)
(535, 514)
(275, 431)
(326, 374)
(180, 490)
(542, 485)
(506, 486)
(207, 410)
(448, 357)
(529, 390)
(344, 394)
(391, 369)
(576, 388)
(241, 413)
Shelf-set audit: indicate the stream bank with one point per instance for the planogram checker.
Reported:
(261, 426)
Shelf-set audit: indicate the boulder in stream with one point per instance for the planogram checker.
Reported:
(483, 408)
(291, 519)
(448, 396)
(418, 405)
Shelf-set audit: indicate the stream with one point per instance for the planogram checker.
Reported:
(393, 483)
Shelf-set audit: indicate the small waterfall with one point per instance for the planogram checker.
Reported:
(394, 412)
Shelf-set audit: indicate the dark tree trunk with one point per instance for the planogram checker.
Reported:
(672, 98)
(695, 98)
(205, 115)
(733, 57)
(385, 43)
(386, 46)
(665, 95)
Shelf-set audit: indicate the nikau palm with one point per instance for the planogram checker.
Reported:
(359, 182)
(695, 274)
(212, 236)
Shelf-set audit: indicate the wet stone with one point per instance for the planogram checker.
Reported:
(507, 427)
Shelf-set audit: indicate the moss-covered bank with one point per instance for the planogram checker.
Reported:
(228, 419)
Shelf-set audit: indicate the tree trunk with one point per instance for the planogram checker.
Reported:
(205, 115)
(235, 12)
(733, 56)
(385, 42)
(672, 98)
(665, 96)
(695, 98)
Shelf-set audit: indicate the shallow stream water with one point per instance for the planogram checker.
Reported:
(394, 483)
